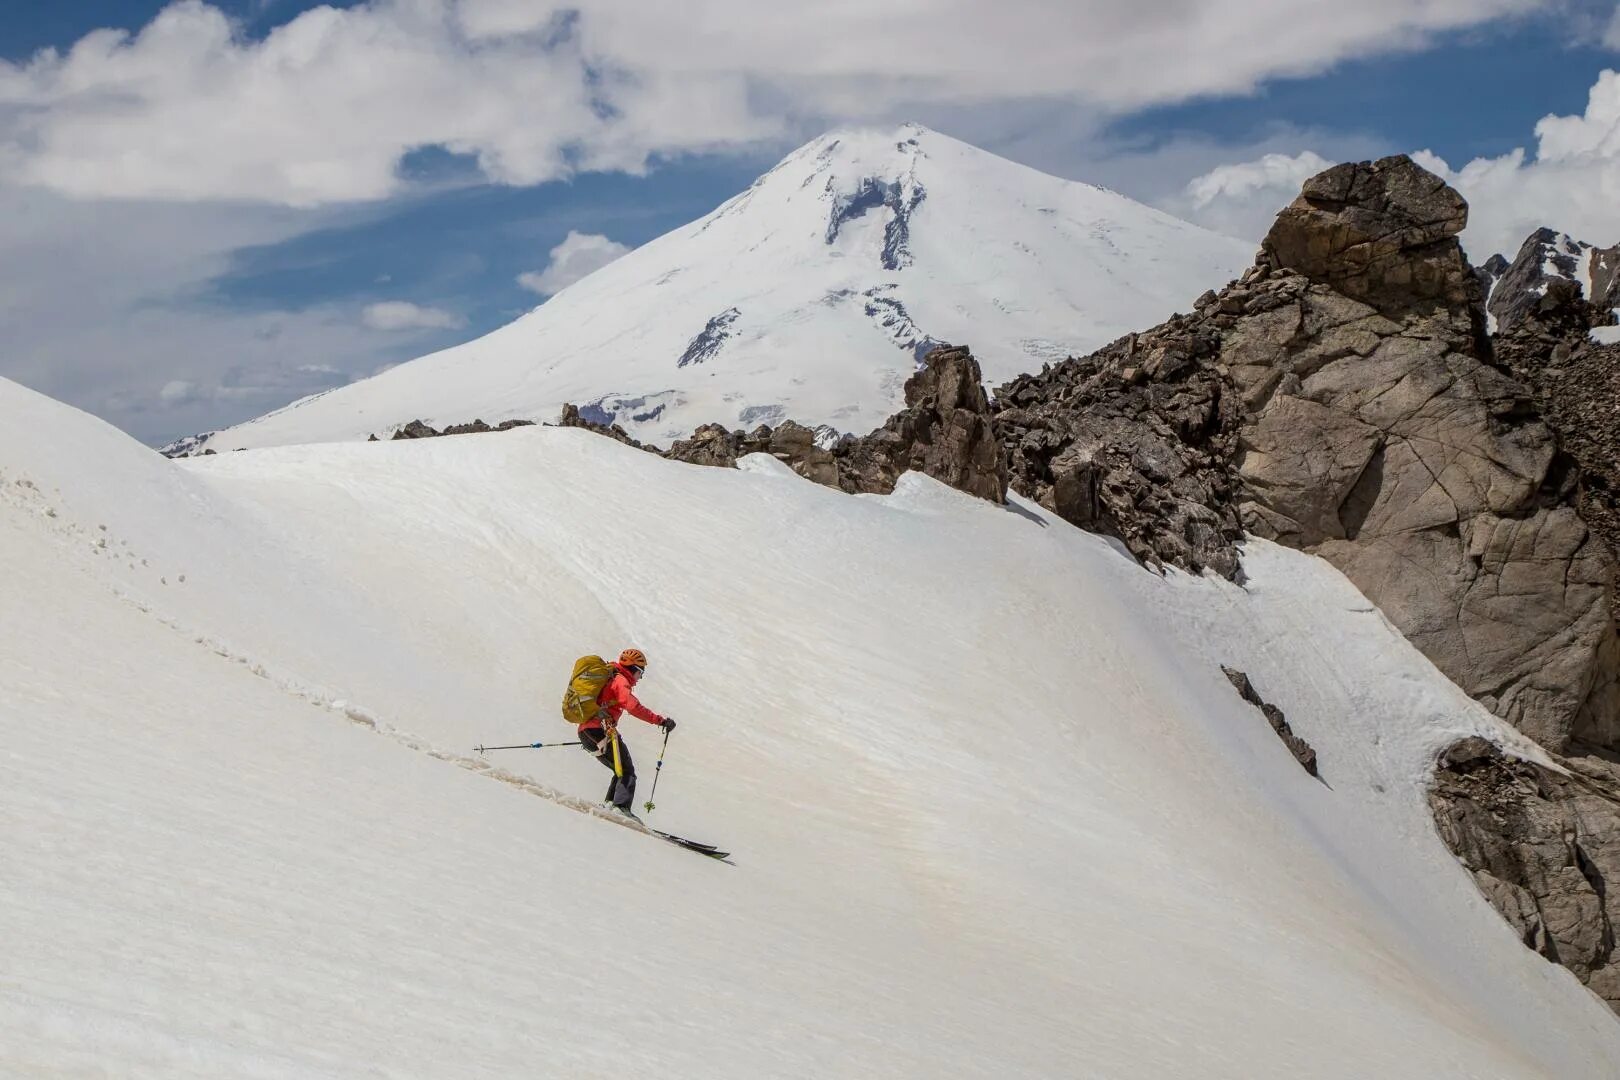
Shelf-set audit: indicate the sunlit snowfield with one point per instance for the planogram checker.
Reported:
(994, 808)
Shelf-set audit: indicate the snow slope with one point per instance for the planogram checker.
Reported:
(995, 810)
(809, 296)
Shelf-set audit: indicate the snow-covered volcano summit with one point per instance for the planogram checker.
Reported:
(810, 295)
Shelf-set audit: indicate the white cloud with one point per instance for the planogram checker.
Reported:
(324, 108)
(178, 392)
(99, 308)
(1611, 36)
(1243, 199)
(579, 254)
(1572, 183)
(1243, 181)
(403, 315)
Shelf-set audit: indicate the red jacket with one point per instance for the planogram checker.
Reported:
(618, 698)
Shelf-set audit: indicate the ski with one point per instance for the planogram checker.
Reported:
(640, 826)
(691, 845)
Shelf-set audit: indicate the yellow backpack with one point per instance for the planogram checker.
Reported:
(591, 674)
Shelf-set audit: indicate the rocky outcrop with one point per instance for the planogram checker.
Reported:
(416, 429)
(1340, 398)
(1382, 233)
(1544, 848)
(570, 417)
(1604, 275)
(1576, 384)
(791, 443)
(1549, 260)
(1134, 442)
(1488, 273)
(1395, 441)
(945, 431)
(1382, 439)
(1303, 752)
(1546, 257)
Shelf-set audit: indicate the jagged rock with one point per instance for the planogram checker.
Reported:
(1544, 849)
(1303, 752)
(1381, 232)
(477, 427)
(1132, 442)
(796, 444)
(1340, 397)
(711, 444)
(1550, 260)
(1605, 275)
(415, 430)
(1381, 438)
(792, 443)
(570, 418)
(1489, 273)
(1576, 383)
(944, 431)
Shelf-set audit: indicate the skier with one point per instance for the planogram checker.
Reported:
(599, 734)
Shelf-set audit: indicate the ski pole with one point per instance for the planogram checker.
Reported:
(658, 770)
(526, 746)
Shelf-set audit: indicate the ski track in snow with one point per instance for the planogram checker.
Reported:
(365, 718)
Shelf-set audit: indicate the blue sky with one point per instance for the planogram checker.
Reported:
(235, 271)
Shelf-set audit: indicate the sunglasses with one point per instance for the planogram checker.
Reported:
(637, 671)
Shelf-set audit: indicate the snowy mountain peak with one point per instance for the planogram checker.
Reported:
(812, 294)
(1546, 256)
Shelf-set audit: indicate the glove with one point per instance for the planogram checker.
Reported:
(668, 725)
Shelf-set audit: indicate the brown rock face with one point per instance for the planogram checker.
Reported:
(1606, 277)
(1133, 442)
(945, 432)
(416, 429)
(791, 443)
(1544, 848)
(1341, 398)
(570, 418)
(1478, 476)
(1381, 232)
(1379, 436)
(1576, 384)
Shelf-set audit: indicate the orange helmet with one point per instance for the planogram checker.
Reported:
(633, 658)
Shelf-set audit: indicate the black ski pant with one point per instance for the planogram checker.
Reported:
(621, 789)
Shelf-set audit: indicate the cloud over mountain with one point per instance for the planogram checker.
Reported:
(403, 315)
(579, 254)
(1569, 183)
(326, 107)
